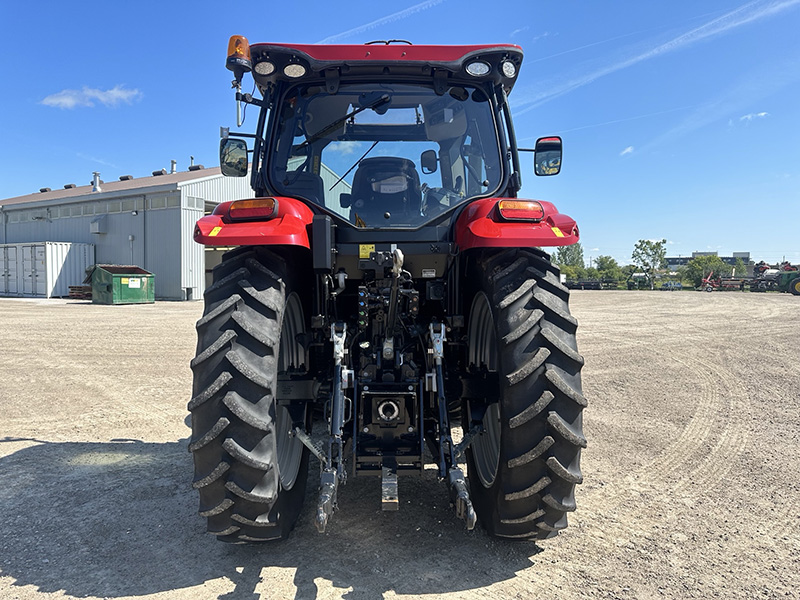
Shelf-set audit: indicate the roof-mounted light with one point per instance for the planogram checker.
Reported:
(264, 68)
(521, 210)
(253, 210)
(239, 55)
(294, 70)
(478, 68)
(508, 69)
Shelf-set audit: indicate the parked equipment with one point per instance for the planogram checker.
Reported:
(725, 284)
(416, 301)
(782, 278)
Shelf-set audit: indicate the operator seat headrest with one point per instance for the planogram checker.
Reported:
(386, 184)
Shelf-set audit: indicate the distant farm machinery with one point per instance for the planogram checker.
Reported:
(782, 278)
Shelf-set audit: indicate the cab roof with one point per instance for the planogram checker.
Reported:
(386, 60)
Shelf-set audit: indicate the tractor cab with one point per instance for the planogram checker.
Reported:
(376, 137)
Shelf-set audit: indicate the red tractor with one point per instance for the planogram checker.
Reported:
(387, 285)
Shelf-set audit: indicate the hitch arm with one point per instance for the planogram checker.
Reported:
(333, 465)
(459, 494)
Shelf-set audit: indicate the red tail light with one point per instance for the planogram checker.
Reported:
(250, 210)
(521, 210)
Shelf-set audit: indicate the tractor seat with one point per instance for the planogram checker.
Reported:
(385, 184)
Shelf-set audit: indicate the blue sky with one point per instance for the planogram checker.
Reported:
(681, 120)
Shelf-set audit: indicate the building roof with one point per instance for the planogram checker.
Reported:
(108, 187)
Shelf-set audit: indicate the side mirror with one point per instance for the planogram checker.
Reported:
(428, 161)
(233, 157)
(547, 156)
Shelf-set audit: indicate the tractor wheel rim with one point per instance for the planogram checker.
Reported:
(291, 353)
(483, 353)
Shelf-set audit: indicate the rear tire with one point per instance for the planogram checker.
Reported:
(523, 469)
(250, 474)
(794, 286)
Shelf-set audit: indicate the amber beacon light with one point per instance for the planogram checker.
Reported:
(239, 55)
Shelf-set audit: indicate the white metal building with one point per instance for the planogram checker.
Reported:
(147, 221)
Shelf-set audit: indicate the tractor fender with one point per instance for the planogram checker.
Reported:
(288, 227)
(480, 225)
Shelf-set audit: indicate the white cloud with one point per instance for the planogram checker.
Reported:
(69, 99)
(332, 39)
(628, 150)
(541, 36)
(345, 148)
(749, 117)
(96, 160)
(518, 31)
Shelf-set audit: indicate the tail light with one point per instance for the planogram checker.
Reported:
(253, 210)
(521, 210)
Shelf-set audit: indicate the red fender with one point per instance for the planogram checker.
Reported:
(481, 226)
(289, 227)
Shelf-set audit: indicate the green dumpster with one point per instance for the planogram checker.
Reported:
(121, 284)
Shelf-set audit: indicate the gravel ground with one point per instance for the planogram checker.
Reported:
(692, 476)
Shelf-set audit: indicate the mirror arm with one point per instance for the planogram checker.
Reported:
(249, 99)
(236, 134)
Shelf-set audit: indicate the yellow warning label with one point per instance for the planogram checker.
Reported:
(215, 231)
(124, 281)
(365, 249)
(558, 232)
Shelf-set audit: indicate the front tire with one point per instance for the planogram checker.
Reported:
(524, 467)
(250, 474)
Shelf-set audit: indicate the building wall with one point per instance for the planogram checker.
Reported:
(158, 237)
(195, 197)
(151, 227)
(150, 238)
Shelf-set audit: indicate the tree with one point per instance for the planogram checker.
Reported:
(741, 268)
(700, 267)
(650, 255)
(608, 268)
(570, 256)
(573, 273)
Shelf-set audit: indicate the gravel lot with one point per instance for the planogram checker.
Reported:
(692, 472)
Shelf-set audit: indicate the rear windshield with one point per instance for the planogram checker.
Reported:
(385, 156)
